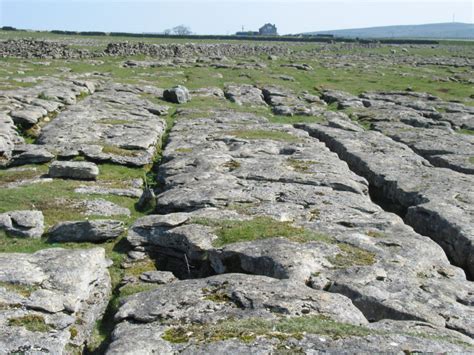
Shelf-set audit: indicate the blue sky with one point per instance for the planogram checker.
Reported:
(227, 16)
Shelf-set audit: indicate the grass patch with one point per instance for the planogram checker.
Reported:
(111, 149)
(33, 323)
(301, 166)
(465, 131)
(113, 121)
(133, 288)
(139, 267)
(232, 231)
(375, 234)
(184, 150)
(471, 160)
(23, 290)
(26, 173)
(262, 134)
(295, 119)
(351, 256)
(247, 330)
(232, 165)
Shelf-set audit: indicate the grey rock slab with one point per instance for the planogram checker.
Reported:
(23, 224)
(286, 103)
(178, 94)
(31, 154)
(398, 338)
(244, 95)
(410, 181)
(101, 207)
(73, 170)
(104, 190)
(68, 290)
(28, 116)
(248, 296)
(443, 148)
(8, 137)
(115, 124)
(223, 177)
(95, 231)
(145, 318)
(208, 92)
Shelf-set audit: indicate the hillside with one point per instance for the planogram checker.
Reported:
(435, 30)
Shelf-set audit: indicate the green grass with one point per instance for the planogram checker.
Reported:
(114, 122)
(21, 289)
(295, 119)
(262, 134)
(26, 172)
(111, 149)
(465, 131)
(233, 231)
(301, 166)
(471, 160)
(351, 256)
(33, 323)
(247, 330)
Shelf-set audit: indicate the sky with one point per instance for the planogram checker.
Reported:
(227, 16)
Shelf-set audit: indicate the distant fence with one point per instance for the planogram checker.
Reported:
(304, 39)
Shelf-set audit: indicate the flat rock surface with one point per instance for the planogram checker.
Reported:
(50, 295)
(115, 125)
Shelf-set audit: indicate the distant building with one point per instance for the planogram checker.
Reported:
(268, 30)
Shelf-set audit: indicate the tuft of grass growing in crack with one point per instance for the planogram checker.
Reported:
(21, 289)
(247, 330)
(233, 231)
(295, 119)
(111, 149)
(351, 256)
(257, 134)
(232, 165)
(31, 322)
(111, 121)
(301, 166)
(465, 131)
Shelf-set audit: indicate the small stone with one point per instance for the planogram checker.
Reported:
(158, 277)
(136, 255)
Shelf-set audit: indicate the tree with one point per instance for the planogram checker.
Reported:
(167, 32)
(181, 30)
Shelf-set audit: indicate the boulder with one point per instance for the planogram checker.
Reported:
(178, 95)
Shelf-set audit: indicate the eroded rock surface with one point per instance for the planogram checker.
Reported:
(50, 300)
(113, 125)
(222, 179)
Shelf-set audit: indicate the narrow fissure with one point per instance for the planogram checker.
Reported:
(380, 197)
(107, 323)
